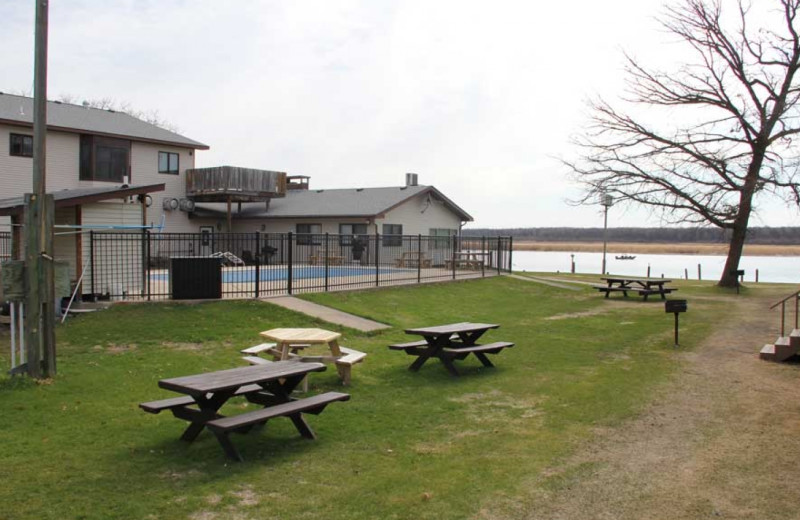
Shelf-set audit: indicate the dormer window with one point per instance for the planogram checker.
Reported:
(104, 159)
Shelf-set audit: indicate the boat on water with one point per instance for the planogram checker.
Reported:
(625, 257)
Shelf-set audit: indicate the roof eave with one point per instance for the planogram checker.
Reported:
(25, 124)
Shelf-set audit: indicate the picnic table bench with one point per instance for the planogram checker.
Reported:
(267, 385)
(451, 342)
(642, 286)
(413, 259)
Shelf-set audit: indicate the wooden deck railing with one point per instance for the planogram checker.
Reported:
(782, 303)
(221, 183)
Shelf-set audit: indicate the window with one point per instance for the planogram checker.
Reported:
(20, 145)
(104, 159)
(392, 235)
(168, 162)
(443, 237)
(309, 234)
(347, 231)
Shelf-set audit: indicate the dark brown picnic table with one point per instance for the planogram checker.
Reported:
(451, 342)
(642, 286)
(269, 385)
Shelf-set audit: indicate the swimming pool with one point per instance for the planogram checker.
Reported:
(266, 274)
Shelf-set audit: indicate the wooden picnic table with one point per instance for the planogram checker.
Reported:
(468, 259)
(290, 342)
(413, 259)
(642, 286)
(451, 342)
(267, 385)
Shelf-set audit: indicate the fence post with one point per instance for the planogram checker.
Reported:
(419, 258)
(484, 255)
(326, 249)
(149, 260)
(498, 255)
(289, 255)
(510, 253)
(258, 263)
(91, 258)
(377, 252)
(453, 246)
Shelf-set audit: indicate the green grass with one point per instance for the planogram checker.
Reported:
(407, 445)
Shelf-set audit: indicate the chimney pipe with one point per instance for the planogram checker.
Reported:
(411, 179)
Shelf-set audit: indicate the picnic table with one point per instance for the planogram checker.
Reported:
(642, 286)
(451, 342)
(267, 385)
(413, 259)
(468, 259)
(290, 342)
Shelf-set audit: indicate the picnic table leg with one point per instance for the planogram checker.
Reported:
(483, 359)
(208, 411)
(228, 447)
(302, 426)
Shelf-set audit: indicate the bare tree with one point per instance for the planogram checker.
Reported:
(708, 138)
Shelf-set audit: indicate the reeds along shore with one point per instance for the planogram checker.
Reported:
(665, 249)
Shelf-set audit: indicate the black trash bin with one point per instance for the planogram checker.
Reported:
(195, 278)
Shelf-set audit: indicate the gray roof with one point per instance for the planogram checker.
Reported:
(75, 118)
(78, 196)
(354, 202)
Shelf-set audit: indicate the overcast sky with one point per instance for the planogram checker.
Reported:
(478, 98)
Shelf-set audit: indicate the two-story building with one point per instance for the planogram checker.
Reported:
(109, 170)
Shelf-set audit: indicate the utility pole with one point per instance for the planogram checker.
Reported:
(607, 201)
(38, 221)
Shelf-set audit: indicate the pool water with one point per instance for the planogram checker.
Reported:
(266, 274)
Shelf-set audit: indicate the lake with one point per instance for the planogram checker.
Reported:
(782, 269)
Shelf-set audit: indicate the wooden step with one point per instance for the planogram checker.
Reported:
(767, 353)
(794, 339)
(784, 349)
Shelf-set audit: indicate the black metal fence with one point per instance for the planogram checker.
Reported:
(5, 245)
(139, 265)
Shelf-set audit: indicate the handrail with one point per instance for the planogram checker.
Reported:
(782, 303)
(793, 295)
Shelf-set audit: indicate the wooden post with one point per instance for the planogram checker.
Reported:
(686, 273)
(699, 272)
(39, 214)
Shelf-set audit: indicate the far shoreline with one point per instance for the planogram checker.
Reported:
(656, 248)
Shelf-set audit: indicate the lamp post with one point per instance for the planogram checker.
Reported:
(606, 201)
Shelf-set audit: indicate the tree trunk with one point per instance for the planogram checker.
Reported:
(729, 277)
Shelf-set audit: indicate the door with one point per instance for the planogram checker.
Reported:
(206, 240)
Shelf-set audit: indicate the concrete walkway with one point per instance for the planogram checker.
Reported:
(561, 284)
(327, 314)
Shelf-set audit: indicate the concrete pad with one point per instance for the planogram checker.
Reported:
(327, 314)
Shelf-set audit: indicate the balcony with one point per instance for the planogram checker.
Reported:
(234, 184)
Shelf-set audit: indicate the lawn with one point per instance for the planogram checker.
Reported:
(407, 445)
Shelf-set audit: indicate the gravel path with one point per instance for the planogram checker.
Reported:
(721, 440)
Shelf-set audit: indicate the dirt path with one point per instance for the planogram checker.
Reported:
(722, 441)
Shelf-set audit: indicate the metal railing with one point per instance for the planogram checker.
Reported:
(139, 265)
(782, 303)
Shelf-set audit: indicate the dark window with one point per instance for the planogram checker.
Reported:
(168, 162)
(21, 145)
(348, 231)
(392, 235)
(309, 234)
(104, 158)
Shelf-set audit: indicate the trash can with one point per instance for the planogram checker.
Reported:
(195, 278)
